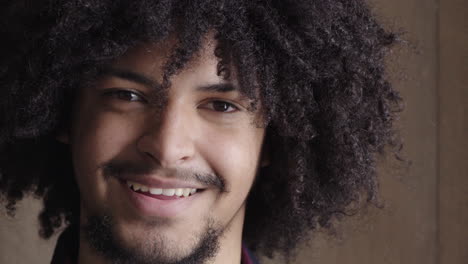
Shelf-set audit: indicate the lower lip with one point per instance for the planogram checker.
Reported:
(158, 205)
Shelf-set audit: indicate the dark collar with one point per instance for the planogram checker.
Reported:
(66, 250)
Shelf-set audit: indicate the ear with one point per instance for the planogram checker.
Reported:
(265, 155)
(265, 161)
(63, 137)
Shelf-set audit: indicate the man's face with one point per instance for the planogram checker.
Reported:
(124, 134)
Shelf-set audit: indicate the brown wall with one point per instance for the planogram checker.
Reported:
(452, 239)
(426, 215)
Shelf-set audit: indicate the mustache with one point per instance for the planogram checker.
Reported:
(117, 168)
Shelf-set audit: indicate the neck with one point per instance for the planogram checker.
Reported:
(230, 245)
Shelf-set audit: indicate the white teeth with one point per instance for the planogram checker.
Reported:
(158, 191)
(136, 186)
(179, 192)
(168, 192)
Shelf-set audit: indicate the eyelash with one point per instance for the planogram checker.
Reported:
(119, 93)
(229, 105)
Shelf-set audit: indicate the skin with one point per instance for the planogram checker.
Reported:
(189, 133)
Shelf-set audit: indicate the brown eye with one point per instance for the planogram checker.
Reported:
(126, 95)
(221, 106)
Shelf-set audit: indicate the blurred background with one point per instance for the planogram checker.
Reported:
(425, 217)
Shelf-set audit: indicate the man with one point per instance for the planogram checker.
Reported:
(191, 131)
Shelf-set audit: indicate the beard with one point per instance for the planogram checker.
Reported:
(99, 232)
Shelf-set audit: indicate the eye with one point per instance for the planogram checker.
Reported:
(125, 95)
(222, 106)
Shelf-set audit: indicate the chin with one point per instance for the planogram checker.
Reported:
(147, 243)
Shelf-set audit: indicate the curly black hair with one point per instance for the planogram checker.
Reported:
(319, 67)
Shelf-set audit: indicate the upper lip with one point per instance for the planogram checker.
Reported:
(153, 182)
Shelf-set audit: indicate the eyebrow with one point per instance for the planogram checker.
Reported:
(130, 76)
(218, 87)
(147, 81)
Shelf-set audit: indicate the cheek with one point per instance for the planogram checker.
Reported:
(234, 156)
(97, 138)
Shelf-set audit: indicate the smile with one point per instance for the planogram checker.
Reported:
(160, 202)
(185, 192)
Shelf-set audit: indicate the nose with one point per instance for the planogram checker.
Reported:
(168, 138)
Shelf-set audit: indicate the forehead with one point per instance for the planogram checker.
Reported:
(150, 60)
(147, 62)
